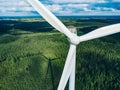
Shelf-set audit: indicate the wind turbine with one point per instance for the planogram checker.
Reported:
(69, 68)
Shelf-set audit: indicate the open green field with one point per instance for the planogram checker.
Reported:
(33, 53)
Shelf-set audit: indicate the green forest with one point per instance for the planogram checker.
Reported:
(33, 53)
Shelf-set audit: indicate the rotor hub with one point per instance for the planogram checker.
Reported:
(74, 39)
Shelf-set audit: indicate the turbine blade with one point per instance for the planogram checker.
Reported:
(47, 69)
(72, 76)
(45, 57)
(49, 17)
(67, 68)
(100, 32)
(54, 59)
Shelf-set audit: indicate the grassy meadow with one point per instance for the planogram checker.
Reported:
(33, 53)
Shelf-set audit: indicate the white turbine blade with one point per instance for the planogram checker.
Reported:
(67, 68)
(72, 76)
(49, 17)
(100, 32)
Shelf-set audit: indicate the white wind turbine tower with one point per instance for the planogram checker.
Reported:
(69, 68)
